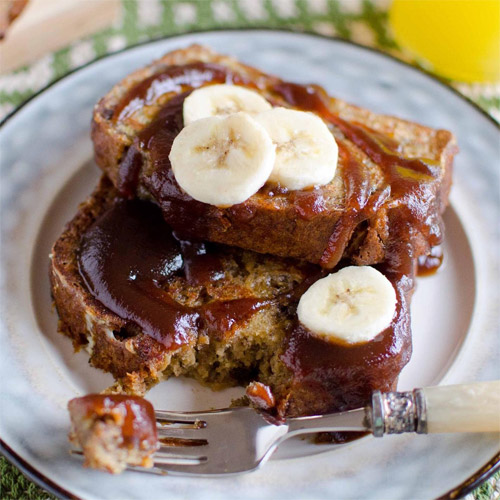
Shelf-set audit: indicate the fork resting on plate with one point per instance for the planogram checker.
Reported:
(237, 440)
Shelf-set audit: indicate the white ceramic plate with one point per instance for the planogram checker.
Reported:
(47, 169)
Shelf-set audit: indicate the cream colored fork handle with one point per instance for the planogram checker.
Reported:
(463, 408)
(454, 408)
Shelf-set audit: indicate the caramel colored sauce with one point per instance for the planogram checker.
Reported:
(222, 317)
(127, 256)
(341, 376)
(407, 185)
(128, 174)
(260, 395)
(181, 443)
(171, 79)
(407, 181)
(309, 203)
(202, 263)
(429, 264)
(133, 414)
(356, 185)
(157, 138)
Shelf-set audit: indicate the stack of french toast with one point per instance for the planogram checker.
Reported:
(250, 231)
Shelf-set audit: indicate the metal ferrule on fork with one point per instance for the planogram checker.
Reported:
(397, 412)
(236, 440)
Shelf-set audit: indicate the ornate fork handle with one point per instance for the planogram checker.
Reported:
(453, 408)
(398, 412)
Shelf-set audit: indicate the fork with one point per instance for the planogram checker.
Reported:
(237, 440)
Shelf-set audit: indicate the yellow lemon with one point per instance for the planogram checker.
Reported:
(459, 38)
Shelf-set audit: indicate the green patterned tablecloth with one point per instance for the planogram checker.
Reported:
(362, 21)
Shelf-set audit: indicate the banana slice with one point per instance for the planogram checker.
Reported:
(222, 160)
(215, 100)
(306, 152)
(352, 305)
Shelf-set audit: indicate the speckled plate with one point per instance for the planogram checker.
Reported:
(47, 170)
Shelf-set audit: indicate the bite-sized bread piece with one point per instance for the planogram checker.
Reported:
(147, 306)
(113, 431)
(390, 172)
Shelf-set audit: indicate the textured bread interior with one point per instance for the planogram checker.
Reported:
(292, 235)
(101, 433)
(415, 140)
(100, 440)
(250, 350)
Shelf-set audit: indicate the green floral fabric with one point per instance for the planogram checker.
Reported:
(362, 21)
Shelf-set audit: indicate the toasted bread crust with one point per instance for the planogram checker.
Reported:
(255, 350)
(138, 361)
(275, 223)
(247, 225)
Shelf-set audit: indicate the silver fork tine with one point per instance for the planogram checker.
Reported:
(173, 454)
(182, 458)
(176, 432)
(183, 469)
(175, 416)
(152, 470)
(230, 441)
(180, 452)
(164, 461)
(166, 469)
(240, 439)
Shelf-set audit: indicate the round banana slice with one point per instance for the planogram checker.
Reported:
(352, 305)
(222, 160)
(306, 151)
(214, 100)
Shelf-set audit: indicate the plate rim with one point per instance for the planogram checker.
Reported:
(465, 487)
(441, 81)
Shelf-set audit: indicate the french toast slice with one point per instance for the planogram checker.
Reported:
(136, 359)
(231, 343)
(384, 163)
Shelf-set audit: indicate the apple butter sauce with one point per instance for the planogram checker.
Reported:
(342, 376)
(130, 253)
(409, 186)
(133, 414)
(171, 79)
(429, 264)
(407, 182)
(345, 375)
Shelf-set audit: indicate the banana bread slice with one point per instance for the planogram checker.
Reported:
(248, 293)
(390, 171)
(222, 315)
